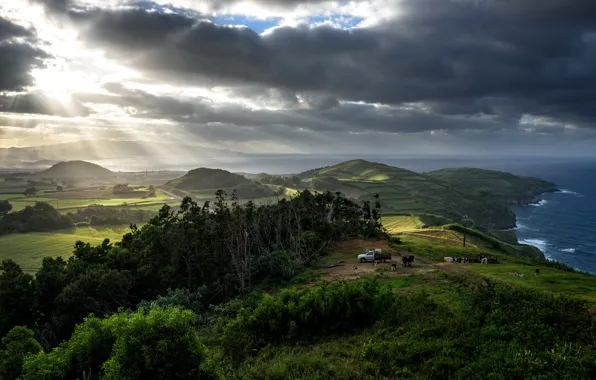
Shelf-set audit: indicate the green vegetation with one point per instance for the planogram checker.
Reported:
(18, 343)
(37, 218)
(406, 192)
(203, 183)
(504, 186)
(396, 224)
(71, 200)
(201, 291)
(148, 344)
(221, 254)
(551, 280)
(28, 250)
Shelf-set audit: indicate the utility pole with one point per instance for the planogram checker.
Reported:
(465, 221)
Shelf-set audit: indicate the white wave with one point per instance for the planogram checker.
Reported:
(542, 202)
(520, 226)
(538, 243)
(568, 250)
(564, 191)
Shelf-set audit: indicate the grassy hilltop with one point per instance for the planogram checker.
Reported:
(406, 192)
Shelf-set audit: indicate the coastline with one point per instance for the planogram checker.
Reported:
(537, 201)
(546, 240)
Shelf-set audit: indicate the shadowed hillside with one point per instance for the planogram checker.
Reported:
(205, 181)
(504, 186)
(406, 192)
(76, 169)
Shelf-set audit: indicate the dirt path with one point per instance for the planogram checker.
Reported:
(346, 254)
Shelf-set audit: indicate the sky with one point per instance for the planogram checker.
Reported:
(428, 77)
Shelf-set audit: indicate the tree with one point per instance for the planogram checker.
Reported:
(5, 207)
(30, 191)
(14, 347)
(16, 296)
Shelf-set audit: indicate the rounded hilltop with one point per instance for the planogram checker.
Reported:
(201, 182)
(76, 169)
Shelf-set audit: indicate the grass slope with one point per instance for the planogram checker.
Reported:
(406, 192)
(28, 250)
(504, 186)
(411, 347)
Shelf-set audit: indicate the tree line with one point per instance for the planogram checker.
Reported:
(215, 251)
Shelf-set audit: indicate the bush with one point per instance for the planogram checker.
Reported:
(15, 346)
(292, 315)
(37, 218)
(152, 343)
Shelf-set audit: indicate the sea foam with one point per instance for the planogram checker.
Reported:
(568, 250)
(520, 226)
(564, 191)
(538, 243)
(542, 202)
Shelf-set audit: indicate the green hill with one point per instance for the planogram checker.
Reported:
(76, 169)
(203, 182)
(406, 192)
(504, 186)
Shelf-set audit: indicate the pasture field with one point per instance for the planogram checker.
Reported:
(62, 202)
(550, 279)
(10, 196)
(28, 250)
(400, 223)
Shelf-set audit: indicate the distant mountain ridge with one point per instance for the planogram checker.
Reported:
(75, 170)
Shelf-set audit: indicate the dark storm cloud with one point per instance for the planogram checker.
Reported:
(34, 103)
(17, 56)
(465, 57)
(330, 116)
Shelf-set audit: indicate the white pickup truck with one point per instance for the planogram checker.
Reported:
(374, 255)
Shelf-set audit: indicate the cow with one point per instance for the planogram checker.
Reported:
(393, 266)
(537, 272)
(407, 260)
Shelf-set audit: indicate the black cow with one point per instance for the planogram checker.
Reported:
(407, 260)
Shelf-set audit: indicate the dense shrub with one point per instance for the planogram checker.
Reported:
(102, 215)
(315, 311)
(503, 333)
(152, 343)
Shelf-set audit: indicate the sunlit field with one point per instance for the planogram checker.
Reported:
(28, 250)
(61, 202)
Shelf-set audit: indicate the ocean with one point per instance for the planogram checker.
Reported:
(562, 225)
